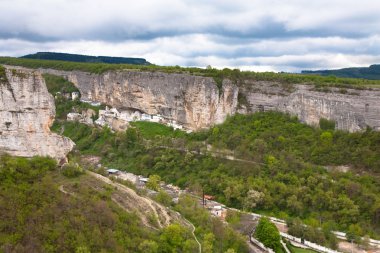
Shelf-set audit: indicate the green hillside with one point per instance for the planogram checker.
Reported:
(372, 72)
(85, 58)
(235, 75)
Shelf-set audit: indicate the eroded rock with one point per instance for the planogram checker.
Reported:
(27, 111)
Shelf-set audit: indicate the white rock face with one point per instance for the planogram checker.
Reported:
(352, 110)
(196, 102)
(192, 101)
(27, 111)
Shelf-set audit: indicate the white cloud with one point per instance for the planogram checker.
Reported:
(251, 34)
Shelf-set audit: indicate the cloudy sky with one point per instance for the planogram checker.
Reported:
(260, 35)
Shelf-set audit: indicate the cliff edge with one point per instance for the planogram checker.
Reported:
(27, 111)
(196, 102)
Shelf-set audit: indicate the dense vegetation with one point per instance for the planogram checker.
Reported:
(85, 58)
(61, 89)
(277, 136)
(218, 75)
(36, 217)
(267, 233)
(281, 180)
(57, 84)
(372, 72)
(215, 236)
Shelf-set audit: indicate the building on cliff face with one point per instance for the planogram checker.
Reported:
(27, 111)
(196, 102)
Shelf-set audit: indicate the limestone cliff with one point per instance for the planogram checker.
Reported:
(192, 101)
(196, 102)
(26, 113)
(352, 110)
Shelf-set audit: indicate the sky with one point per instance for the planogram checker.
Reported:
(258, 35)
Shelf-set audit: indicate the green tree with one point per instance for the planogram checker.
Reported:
(354, 233)
(173, 238)
(208, 243)
(148, 246)
(154, 182)
(253, 199)
(267, 233)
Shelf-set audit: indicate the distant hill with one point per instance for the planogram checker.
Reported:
(86, 58)
(372, 72)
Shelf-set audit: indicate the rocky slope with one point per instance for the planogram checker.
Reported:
(27, 111)
(196, 102)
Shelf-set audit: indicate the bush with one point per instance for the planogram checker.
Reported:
(72, 170)
(326, 124)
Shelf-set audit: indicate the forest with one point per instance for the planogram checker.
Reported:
(372, 72)
(85, 58)
(36, 215)
(285, 178)
(328, 178)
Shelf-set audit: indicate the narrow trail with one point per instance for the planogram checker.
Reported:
(61, 189)
(158, 210)
(192, 231)
(213, 154)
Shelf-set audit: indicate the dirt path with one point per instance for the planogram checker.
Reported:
(61, 189)
(192, 231)
(134, 200)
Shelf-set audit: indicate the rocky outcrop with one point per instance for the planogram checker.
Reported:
(196, 102)
(352, 110)
(192, 101)
(27, 111)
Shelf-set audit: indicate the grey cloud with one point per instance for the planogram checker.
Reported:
(293, 34)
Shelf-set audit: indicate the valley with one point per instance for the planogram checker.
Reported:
(264, 160)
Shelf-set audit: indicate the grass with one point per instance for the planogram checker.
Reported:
(150, 130)
(294, 249)
(3, 76)
(58, 84)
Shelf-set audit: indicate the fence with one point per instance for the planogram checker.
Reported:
(260, 245)
(311, 245)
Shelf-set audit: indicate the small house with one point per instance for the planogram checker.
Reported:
(113, 171)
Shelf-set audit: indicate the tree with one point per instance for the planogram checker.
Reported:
(296, 227)
(154, 182)
(354, 233)
(267, 233)
(164, 198)
(253, 199)
(208, 243)
(173, 238)
(148, 246)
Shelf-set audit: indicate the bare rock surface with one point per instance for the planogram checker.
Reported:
(196, 102)
(27, 111)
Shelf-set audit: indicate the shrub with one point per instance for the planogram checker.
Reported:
(326, 124)
(72, 170)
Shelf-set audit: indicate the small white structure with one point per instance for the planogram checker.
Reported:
(157, 118)
(143, 180)
(175, 125)
(146, 117)
(74, 116)
(113, 171)
(75, 95)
